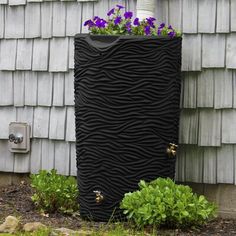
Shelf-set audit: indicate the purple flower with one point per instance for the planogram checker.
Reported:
(117, 20)
(171, 34)
(136, 21)
(128, 26)
(120, 7)
(150, 21)
(170, 27)
(100, 23)
(159, 31)
(162, 25)
(128, 15)
(89, 23)
(111, 12)
(147, 30)
(95, 18)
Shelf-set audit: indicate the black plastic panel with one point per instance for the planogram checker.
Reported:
(127, 92)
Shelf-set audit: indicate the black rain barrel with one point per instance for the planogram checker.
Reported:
(127, 95)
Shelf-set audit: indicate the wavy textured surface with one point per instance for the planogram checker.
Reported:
(127, 112)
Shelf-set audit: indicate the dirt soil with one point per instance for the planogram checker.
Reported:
(16, 200)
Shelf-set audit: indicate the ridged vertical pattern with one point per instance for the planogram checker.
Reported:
(127, 92)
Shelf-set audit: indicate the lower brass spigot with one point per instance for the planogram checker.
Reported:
(99, 197)
(172, 149)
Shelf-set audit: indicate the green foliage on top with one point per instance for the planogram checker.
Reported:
(54, 192)
(164, 203)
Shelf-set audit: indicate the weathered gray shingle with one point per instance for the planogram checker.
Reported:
(2, 21)
(69, 88)
(17, 2)
(73, 18)
(48, 149)
(205, 88)
(58, 60)
(25, 115)
(70, 124)
(8, 54)
(206, 16)
(31, 88)
(40, 55)
(209, 169)
(175, 14)
(73, 165)
(41, 122)
(190, 16)
(209, 127)
(7, 115)
(19, 88)
(57, 123)
(45, 81)
(189, 90)
(233, 15)
(234, 89)
(22, 162)
(101, 8)
(194, 157)
(213, 50)
(71, 53)
(59, 19)
(46, 19)
(87, 14)
(6, 88)
(225, 164)
(14, 22)
(32, 20)
(188, 131)
(3, 1)
(161, 11)
(191, 53)
(223, 13)
(6, 157)
(35, 159)
(58, 89)
(228, 126)
(62, 162)
(24, 54)
(231, 51)
(223, 81)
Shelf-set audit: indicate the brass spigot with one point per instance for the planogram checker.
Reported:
(172, 149)
(99, 197)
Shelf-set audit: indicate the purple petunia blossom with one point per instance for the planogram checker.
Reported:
(159, 31)
(100, 23)
(120, 7)
(171, 34)
(111, 12)
(89, 23)
(147, 30)
(96, 17)
(162, 25)
(170, 27)
(128, 26)
(150, 21)
(117, 20)
(128, 15)
(136, 21)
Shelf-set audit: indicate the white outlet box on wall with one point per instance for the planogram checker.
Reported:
(19, 137)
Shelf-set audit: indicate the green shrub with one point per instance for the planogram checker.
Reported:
(54, 192)
(164, 203)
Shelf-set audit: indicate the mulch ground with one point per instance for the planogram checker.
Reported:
(16, 200)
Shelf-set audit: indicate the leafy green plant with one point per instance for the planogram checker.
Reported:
(54, 192)
(164, 203)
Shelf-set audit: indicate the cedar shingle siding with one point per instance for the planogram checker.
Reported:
(36, 82)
